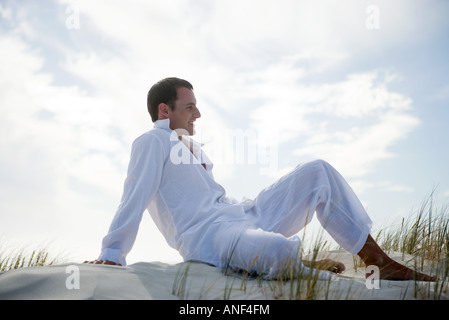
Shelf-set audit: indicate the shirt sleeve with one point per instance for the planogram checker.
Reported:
(142, 182)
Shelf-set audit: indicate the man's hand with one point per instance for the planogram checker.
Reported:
(107, 262)
(325, 264)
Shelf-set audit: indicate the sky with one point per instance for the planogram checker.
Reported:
(361, 84)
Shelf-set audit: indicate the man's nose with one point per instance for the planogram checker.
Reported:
(197, 113)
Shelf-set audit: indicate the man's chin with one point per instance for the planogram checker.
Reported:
(191, 131)
(185, 132)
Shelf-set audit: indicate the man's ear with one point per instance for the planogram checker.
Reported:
(163, 111)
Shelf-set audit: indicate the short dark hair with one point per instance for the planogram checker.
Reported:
(165, 91)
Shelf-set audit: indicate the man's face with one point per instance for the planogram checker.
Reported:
(185, 113)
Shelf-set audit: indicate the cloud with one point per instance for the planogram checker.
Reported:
(251, 64)
(62, 154)
(356, 150)
(60, 121)
(352, 123)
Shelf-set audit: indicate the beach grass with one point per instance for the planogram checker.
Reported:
(11, 259)
(423, 240)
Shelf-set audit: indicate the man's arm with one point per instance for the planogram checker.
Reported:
(142, 182)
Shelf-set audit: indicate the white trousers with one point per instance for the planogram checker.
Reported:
(268, 243)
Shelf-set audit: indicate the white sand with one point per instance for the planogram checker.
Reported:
(193, 281)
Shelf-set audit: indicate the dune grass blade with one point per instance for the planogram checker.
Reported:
(11, 260)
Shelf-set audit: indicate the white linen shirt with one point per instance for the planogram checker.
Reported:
(182, 197)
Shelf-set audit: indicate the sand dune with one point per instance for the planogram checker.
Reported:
(195, 281)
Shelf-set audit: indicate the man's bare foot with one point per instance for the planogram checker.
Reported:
(372, 254)
(325, 264)
(392, 270)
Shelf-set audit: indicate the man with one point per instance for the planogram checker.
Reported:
(170, 176)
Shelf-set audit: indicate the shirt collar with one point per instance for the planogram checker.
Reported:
(165, 125)
(196, 148)
(193, 145)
